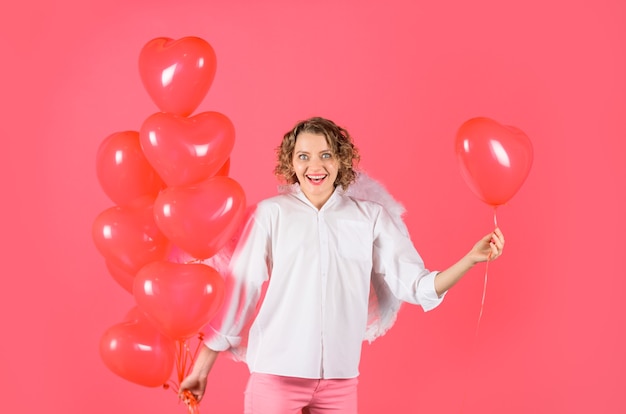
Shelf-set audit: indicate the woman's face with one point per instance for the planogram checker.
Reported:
(315, 166)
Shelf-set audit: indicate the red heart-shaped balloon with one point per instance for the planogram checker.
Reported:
(187, 150)
(123, 170)
(494, 159)
(201, 218)
(137, 351)
(177, 74)
(128, 236)
(121, 276)
(179, 298)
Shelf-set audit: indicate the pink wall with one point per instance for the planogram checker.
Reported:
(402, 76)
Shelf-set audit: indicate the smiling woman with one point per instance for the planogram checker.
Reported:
(321, 251)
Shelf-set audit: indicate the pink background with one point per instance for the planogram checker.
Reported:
(401, 75)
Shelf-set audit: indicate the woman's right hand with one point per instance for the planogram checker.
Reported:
(196, 381)
(195, 384)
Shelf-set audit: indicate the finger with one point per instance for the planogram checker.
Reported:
(497, 242)
(499, 234)
(487, 238)
(494, 251)
(498, 239)
(186, 395)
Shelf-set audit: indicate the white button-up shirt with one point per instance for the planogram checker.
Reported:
(312, 319)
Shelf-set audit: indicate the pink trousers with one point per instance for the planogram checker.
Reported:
(273, 394)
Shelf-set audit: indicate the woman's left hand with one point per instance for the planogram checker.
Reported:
(489, 247)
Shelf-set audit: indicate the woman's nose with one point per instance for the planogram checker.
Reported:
(316, 162)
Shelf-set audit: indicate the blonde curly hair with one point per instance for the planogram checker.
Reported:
(339, 141)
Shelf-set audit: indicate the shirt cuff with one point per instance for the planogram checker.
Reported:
(427, 294)
(219, 342)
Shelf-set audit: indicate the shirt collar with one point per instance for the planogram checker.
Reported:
(296, 191)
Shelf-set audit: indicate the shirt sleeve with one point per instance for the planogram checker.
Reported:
(247, 272)
(401, 266)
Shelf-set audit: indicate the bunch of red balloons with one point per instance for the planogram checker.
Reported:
(169, 182)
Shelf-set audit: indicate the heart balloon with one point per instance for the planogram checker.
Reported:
(177, 74)
(187, 150)
(201, 218)
(179, 298)
(224, 169)
(137, 351)
(123, 170)
(121, 276)
(494, 159)
(128, 236)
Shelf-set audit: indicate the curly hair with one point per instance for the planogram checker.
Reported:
(339, 141)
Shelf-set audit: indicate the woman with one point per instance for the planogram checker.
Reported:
(319, 251)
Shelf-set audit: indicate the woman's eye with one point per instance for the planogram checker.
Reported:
(326, 155)
(303, 157)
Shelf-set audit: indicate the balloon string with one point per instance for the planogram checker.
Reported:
(482, 301)
(187, 397)
(495, 217)
(474, 345)
(195, 353)
(181, 357)
(482, 304)
(184, 364)
(191, 402)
